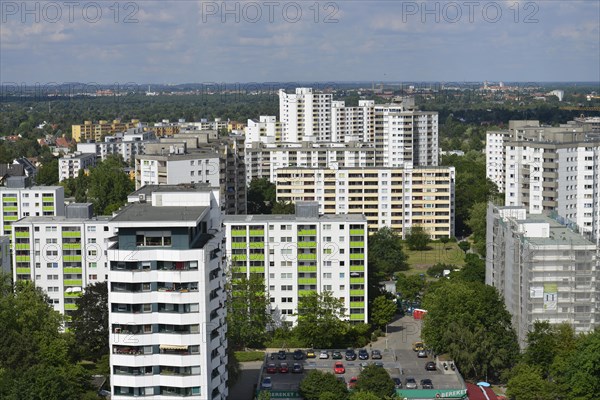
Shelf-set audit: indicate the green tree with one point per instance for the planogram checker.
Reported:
(109, 185)
(527, 383)
(364, 396)
(90, 321)
(375, 380)
(417, 238)
(282, 207)
(469, 321)
(410, 287)
(472, 271)
(437, 270)
(477, 223)
(248, 314)
(316, 382)
(464, 245)
(48, 173)
(320, 321)
(385, 254)
(261, 196)
(383, 311)
(582, 374)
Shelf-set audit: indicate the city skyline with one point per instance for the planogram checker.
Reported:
(291, 41)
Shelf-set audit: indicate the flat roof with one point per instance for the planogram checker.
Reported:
(144, 212)
(184, 187)
(559, 234)
(63, 219)
(30, 188)
(187, 156)
(292, 218)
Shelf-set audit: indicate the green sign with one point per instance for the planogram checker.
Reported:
(283, 394)
(432, 393)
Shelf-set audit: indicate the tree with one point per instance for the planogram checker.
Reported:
(437, 270)
(316, 382)
(472, 271)
(582, 374)
(464, 245)
(48, 173)
(417, 238)
(364, 396)
(90, 321)
(282, 207)
(375, 380)
(109, 185)
(383, 311)
(469, 321)
(410, 287)
(261, 196)
(527, 383)
(320, 321)
(477, 223)
(248, 314)
(385, 254)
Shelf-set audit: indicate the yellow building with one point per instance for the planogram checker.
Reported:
(96, 131)
(398, 198)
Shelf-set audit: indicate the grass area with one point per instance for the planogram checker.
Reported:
(243, 356)
(420, 261)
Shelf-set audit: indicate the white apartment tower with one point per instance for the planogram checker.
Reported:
(543, 269)
(62, 254)
(166, 297)
(301, 254)
(305, 116)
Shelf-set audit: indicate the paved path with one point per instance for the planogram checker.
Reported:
(401, 334)
(244, 387)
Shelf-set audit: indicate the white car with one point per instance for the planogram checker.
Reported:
(324, 354)
(266, 383)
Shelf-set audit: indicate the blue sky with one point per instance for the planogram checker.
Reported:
(189, 41)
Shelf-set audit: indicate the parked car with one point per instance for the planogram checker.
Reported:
(410, 383)
(271, 368)
(337, 355)
(422, 354)
(352, 382)
(363, 365)
(426, 384)
(310, 353)
(266, 383)
(283, 368)
(378, 364)
(363, 354)
(338, 368)
(418, 346)
(281, 355)
(430, 366)
(323, 355)
(376, 355)
(298, 355)
(397, 383)
(297, 368)
(350, 355)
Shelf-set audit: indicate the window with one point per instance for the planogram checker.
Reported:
(327, 287)
(327, 275)
(92, 265)
(342, 275)
(93, 277)
(271, 276)
(91, 229)
(286, 287)
(286, 275)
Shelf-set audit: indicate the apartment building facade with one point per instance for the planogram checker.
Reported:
(70, 165)
(305, 116)
(543, 269)
(166, 297)
(399, 198)
(96, 131)
(301, 254)
(126, 144)
(61, 254)
(20, 201)
(5, 255)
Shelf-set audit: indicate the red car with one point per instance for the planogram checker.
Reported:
(338, 368)
(352, 382)
(283, 368)
(271, 368)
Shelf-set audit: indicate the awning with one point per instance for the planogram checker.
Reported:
(172, 347)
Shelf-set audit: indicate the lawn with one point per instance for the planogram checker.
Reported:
(244, 356)
(420, 261)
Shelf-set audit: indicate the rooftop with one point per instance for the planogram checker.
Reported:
(559, 234)
(292, 217)
(172, 156)
(59, 219)
(183, 187)
(144, 212)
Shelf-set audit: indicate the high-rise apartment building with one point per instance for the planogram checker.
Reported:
(166, 297)
(127, 144)
(70, 165)
(301, 254)
(305, 116)
(399, 198)
(266, 130)
(20, 201)
(5, 261)
(61, 254)
(543, 269)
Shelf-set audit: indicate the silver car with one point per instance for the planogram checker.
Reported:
(410, 383)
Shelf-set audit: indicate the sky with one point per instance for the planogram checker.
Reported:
(311, 41)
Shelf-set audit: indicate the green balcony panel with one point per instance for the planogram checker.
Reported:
(309, 256)
(49, 208)
(357, 244)
(23, 234)
(24, 271)
(357, 317)
(357, 292)
(239, 257)
(23, 258)
(257, 257)
(357, 268)
(357, 280)
(9, 199)
(72, 282)
(70, 306)
(71, 258)
(71, 246)
(238, 232)
(239, 245)
(257, 232)
(257, 245)
(307, 281)
(71, 234)
(357, 256)
(10, 209)
(307, 232)
(306, 292)
(239, 270)
(72, 270)
(307, 268)
(47, 199)
(307, 244)
(257, 269)
(22, 246)
(10, 218)
(357, 231)
(72, 294)
(357, 304)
